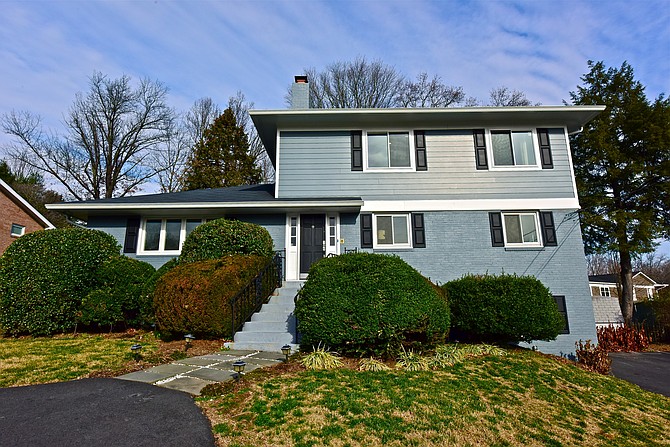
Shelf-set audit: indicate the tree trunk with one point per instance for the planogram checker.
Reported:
(626, 296)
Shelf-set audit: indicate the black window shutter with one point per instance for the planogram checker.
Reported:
(132, 234)
(356, 150)
(545, 149)
(480, 149)
(563, 310)
(495, 220)
(418, 231)
(548, 229)
(420, 149)
(366, 230)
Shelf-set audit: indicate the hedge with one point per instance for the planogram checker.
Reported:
(194, 297)
(45, 275)
(363, 303)
(221, 237)
(119, 296)
(504, 308)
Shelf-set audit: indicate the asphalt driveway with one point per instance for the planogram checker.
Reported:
(648, 370)
(106, 412)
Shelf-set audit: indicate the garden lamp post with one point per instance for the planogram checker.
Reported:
(135, 349)
(286, 350)
(189, 338)
(238, 367)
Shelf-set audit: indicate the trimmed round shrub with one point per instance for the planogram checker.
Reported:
(504, 308)
(119, 296)
(366, 303)
(195, 297)
(45, 275)
(218, 238)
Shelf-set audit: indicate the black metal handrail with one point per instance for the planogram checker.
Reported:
(252, 296)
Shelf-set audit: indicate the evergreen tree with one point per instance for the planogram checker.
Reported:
(221, 158)
(622, 168)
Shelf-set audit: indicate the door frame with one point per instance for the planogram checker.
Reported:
(293, 242)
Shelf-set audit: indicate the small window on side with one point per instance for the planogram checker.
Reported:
(563, 311)
(17, 230)
(605, 291)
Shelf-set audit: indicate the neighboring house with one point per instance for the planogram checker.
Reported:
(18, 217)
(605, 295)
(451, 191)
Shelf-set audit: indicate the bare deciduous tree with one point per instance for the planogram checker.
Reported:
(505, 97)
(111, 130)
(425, 92)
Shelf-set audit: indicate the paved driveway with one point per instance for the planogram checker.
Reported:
(100, 412)
(648, 370)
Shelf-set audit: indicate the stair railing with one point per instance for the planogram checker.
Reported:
(252, 296)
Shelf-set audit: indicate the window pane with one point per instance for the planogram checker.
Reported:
(192, 224)
(400, 233)
(502, 149)
(399, 150)
(524, 153)
(513, 229)
(384, 230)
(17, 230)
(172, 233)
(152, 234)
(378, 156)
(528, 226)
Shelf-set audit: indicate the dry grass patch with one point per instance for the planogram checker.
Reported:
(519, 399)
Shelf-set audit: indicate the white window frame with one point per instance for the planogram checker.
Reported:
(537, 229)
(412, 151)
(536, 150)
(20, 233)
(161, 241)
(394, 246)
(605, 291)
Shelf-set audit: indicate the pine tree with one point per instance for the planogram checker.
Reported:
(622, 168)
(221, 158)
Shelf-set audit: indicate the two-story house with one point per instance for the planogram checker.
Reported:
(451, 191)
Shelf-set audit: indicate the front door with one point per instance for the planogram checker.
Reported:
(312, 240)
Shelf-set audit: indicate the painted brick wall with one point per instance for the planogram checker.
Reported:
(13, 214)
(459, 242)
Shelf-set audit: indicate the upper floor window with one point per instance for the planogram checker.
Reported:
(388, 150)
(17, 230)
(513, 148)
(605, 291)
(166, 235)
(521, 229)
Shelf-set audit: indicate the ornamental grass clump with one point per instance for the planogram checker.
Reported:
(373, 365)
(321, 358)
(412, 361)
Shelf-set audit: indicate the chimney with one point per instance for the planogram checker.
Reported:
(300, 93)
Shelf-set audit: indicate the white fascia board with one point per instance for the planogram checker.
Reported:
(48, 225)
(195, 205)
(643, 274)
(469, 205)
(602, 284)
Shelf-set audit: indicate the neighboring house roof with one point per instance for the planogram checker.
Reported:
(267, 122)
(250, 198)
(23, 203)
(613, 278)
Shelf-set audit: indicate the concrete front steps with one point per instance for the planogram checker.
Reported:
(274, 325)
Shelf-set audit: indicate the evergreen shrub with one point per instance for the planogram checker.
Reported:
(194, 297)
(364, 303)
(119, 296)
(504, 308)
(218, 238)
(45, 275)
(146, 300)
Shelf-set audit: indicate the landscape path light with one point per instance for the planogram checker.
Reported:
(135, 349)
(238, 367)
(286, 350)
(189, 338)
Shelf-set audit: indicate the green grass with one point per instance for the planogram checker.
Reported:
(29, 361)
(520, 399)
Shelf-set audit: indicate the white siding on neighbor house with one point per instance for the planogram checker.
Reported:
(318, 164)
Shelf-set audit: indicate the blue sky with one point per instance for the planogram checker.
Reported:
(48, 49)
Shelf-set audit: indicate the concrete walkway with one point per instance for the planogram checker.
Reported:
(192, 374)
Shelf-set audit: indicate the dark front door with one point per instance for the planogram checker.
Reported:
(312, 239)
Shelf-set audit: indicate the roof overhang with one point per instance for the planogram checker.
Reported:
(268, 122)
(27, 207)
(84, 210)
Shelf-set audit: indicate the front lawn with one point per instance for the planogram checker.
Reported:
(524, 398)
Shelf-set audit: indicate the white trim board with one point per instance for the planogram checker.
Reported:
(469, 205)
